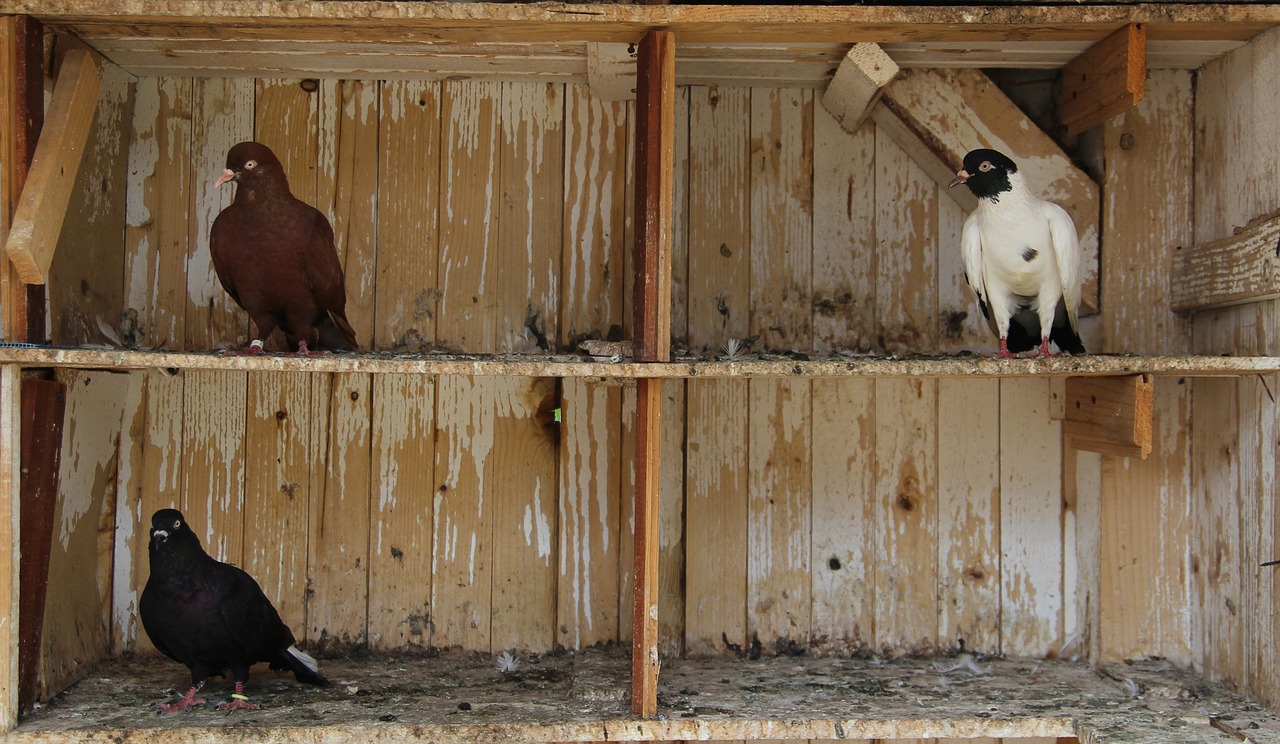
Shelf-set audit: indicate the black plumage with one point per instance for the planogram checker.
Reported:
(212, 616)
(275, 256)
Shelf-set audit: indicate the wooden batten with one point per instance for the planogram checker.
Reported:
(1112, 416)
(33, 236)
(1107, 80)
(857, 84)
(10, 498)
(1241, 268)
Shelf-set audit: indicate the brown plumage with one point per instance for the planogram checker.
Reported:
(275, 256)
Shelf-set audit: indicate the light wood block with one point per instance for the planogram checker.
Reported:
(1108, 79)
(1111, 416)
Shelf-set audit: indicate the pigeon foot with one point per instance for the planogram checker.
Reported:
(238, 702)
(304, 351)
(253, 349)
(187, 702)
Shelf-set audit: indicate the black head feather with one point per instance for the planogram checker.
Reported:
(986, 173)
(253, 165)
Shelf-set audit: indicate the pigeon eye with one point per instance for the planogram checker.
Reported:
(177, 524)
(986, 166)
(251, 165)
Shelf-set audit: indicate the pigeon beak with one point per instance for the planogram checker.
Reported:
(159, 537)
(227, 175)
(960, 178)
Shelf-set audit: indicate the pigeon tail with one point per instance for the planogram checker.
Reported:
(1066, 338)
(303, 666)
(336, 333)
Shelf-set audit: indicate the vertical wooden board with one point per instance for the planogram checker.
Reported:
(129, 537)
(213, 460)
(719, 216)
(782, 217)
(969, 459)
(716, 516)
(627, 512)
(462, 552)
(222, 115)
(1152, 145)
(907, 261)
(589, 529)
(277, 452)
(347, 189)
(1082, 488)
(779, 526)
(157, 209)
(960, 321)
(844, 487)
(1264, 158)
(530, 227)
(844, 248)
(10, 499)
(1030, 519)
(906, 503)
(680, 225)
(86, 277)
(401, 549)
(594, 217)
(468, 271)
(522, 475)
(1146, 539)
(76, 630)
(408, 222)
(671, 518)
(158, 483)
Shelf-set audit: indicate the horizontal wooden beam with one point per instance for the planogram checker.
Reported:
(857, 84)
(33, 235)
(611, 71)
(1107, 80)
(1241, 268)
(1111, 415)
(939, 115)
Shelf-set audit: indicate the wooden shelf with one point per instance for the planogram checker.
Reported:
(584, 697)
(580, 366)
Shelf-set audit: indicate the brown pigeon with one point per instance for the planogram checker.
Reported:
(275, 256)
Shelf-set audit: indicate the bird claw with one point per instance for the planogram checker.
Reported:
(186, 703)
(237, 704)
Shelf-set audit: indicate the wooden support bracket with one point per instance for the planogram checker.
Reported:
(1110, 415)
(33, 235)
(937, 116)
(1106, 80)
(1244, 267)
(611, 70)
(858, 83)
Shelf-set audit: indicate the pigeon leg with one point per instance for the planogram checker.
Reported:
(239, 701)
(1044, 348)
(1004, 352)
(188, 701)
(304, 351)
(254, 347)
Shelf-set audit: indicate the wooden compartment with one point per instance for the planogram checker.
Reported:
(828, 496)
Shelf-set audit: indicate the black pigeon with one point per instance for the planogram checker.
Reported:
(275, 256)
(1021, 257)
(212, 616)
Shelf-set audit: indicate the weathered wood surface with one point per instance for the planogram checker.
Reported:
(1231, 270)
(582, 698)
(10, 509)
(1108, 79)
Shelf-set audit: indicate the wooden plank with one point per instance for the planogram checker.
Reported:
(402, 511)
(654, 179)
(644, 647)
(906, 452)
(680, 279)
(213, 463)
(844, 514)
(524, 462)
(588, 535)
(1237, 269)
(11, 499)
(1106, 80)
(716, 512)
(907, 252)
(595, 216)
(530, 223)
(969, 561)
(671, 528)
(43, 406)
(857, 84)
(939, 115)
(22, 108)
(611, 70)
(42, 207)
(719, 217)
(407, 292)
(76, 625)
(844, 250)
(1030, 520)
(222, 115)
(159, 195)
(1111, 416)
(960, 323)
(781, 218)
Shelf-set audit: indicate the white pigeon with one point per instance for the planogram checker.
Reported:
(1021, 258)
